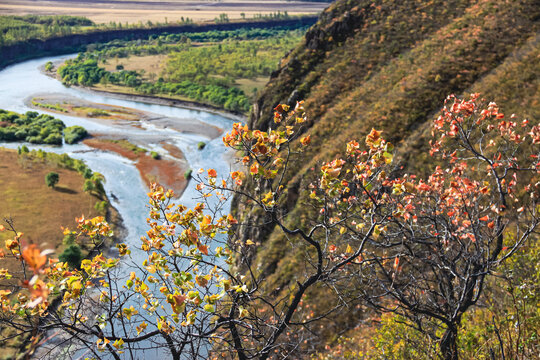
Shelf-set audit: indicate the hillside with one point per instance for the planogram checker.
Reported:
(390, 65)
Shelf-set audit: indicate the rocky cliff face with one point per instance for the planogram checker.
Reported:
(390, 65)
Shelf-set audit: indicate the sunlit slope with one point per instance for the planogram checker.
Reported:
(390, 65)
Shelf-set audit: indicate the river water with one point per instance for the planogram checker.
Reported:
(21, 81)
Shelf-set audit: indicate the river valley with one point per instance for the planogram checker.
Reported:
(124, 185)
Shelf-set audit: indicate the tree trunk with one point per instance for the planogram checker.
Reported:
(448, 344)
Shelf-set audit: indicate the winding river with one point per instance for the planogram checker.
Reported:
(124, 185)
(21, 81)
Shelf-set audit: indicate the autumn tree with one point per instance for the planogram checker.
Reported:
(421, 247)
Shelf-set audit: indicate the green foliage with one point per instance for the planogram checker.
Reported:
(51, 179)
(20, 28)
(240, 54)
(201, 145)
(88, 185)
(49, 66)
(23, 150)
(31, 127)
(155, 155)
(72, 255)
(222, 18)
(69, 239)
(73, 134)
(55, 107)
(187, 174)
(101, 207)
(86, 72)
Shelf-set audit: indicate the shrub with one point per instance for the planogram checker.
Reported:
(101, 207)
(51, 179)
(155, 155)
(74, 134)
(88, 186)
(69, 239)
(187, 174)
(72, 255)
(53, 139)
(201, 145)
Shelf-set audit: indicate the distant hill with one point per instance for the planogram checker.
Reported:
(390, 65)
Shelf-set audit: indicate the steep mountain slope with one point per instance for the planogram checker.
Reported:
(390, 65)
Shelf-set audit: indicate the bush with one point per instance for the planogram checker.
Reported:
(69, 239)
(53, 139)
(155, 155)
(201, 145)
(187, 174)
(72, 255)
(88, 185)
(74, 134)
(101, 207)
(51, 179)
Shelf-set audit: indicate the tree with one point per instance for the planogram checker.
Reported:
(421, 247)
(51, 179)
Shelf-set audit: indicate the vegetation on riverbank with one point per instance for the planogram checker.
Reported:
(215, 71)
(37, 128)
(85, 109)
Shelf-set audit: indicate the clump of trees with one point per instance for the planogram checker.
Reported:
(420, 247)
(86, 72)
(241, 54)
(74, 134)
(31, 127)
(37, 128)
(20, 28)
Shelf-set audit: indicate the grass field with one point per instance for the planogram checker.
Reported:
(157, 11)
(37, 210)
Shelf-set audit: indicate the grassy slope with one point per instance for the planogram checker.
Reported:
(389, 65)
(39, 211)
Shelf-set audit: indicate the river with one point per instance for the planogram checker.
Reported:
(21, 81)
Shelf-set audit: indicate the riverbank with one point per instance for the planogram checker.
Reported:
(168, 172)
(150, 99)
(118, 115)
(165, 163)
(71, 43)
(170, 101)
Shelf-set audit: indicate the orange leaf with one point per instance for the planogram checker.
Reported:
(484, 218)
(203, 249)
(34, 258)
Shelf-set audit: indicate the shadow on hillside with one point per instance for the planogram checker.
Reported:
(64, 190)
